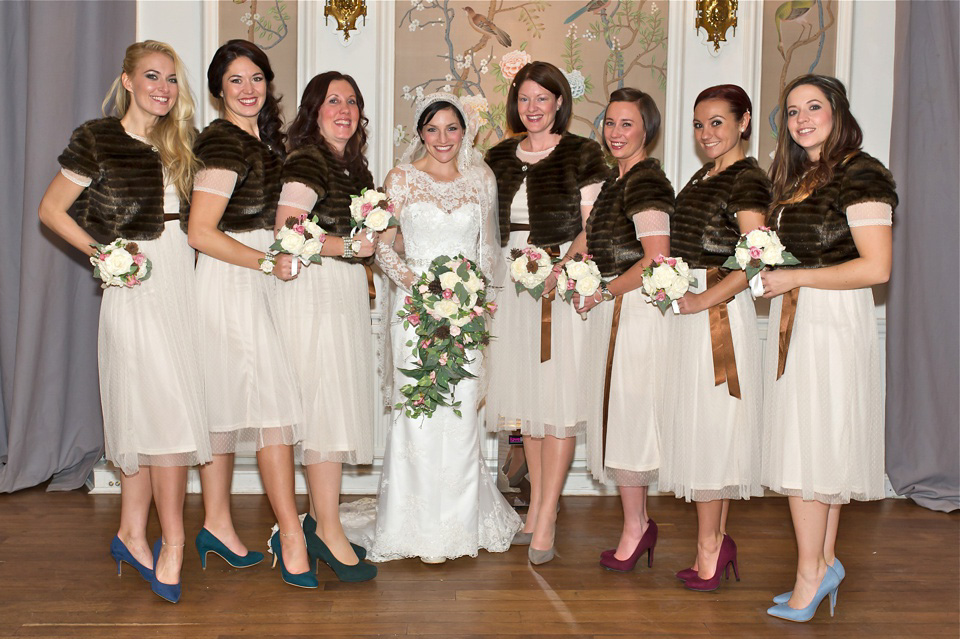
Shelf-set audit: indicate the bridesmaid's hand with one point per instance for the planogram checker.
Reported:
(778, 282)
(588, 302)
(690, 303)
(549, 284)
(283, 267)
(368, 243)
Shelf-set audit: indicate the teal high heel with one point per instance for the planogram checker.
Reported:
(207, 543)
(360, 571)
(828, 586)
(118, 550)
(310, 532)
(837, 566)
(301, 580)
(170, 592)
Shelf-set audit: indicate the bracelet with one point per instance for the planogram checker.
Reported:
(267, 262)
(350, 248)
(605, 292)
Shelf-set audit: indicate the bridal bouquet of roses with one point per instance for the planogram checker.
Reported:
(448, 308)
(300, 237)
(580, 275)
(529, 269)
(667, 280)
(120, 263)
(756, 250)
(371, 210)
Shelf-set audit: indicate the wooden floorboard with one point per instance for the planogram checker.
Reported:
(902, 561)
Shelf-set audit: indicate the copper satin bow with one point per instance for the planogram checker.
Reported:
(721, 340)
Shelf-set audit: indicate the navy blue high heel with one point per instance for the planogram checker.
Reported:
(207, 543)
(828, 587)
(170, 592)
(301, 580)
(314, 542)
(120, 553)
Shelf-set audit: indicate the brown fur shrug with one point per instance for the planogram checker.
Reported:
(611, 235)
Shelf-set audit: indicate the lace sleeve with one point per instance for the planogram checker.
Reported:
(651, 222)
(491, 258)
(217, 181)
(387, 258)
(299, 196)
(869, 214)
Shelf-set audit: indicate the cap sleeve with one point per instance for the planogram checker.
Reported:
(751, 192)
(80, 156)
(307, 166)
(647, 190)
(216, 148)
(867, 180)
(591, 166)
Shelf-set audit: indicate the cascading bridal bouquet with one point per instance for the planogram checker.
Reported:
(529, 269)
(755, 251)
(300, 237)
(371, 210)
(448, 308)
(579, 275)
(120, 263)
(667, 280)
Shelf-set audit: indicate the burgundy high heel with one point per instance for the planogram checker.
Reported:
(727, 556)
(687, 573)
(647, 543)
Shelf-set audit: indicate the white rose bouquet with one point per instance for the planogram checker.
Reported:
(667, 280)
(580, 275)
(120, 263)
(755, 251)
(529, 269)
(300, 237)
(371, 210)
(448, 308)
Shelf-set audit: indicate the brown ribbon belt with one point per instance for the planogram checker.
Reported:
(546, 302)
(721, 339)
(371, 288)
(611, 348)
(171, 217)
(787, 314)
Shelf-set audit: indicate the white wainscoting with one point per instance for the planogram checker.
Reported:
(864, 61)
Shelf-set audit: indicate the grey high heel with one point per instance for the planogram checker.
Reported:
(538, 557)
(522, 539)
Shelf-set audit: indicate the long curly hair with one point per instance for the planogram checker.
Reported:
(270, 120)
(306, 130)
(793, 175)
(173, 134)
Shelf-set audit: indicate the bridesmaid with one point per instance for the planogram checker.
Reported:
(628, 228)
(547, 180)
(251, 393)
(131, 177)
(325, 315)
(711, 437)
(823, 443)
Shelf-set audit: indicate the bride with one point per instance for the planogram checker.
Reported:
(437, 500)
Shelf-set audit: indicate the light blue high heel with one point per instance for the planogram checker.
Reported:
(302, 579)
(837, 566)
(828, 586)
(119, 552)
(170, 592)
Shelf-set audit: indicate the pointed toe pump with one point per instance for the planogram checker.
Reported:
(306, 579)
(646, 544)
(120, 554)
(828, 588)
(726, 558)
(169, 592)
(207, 543)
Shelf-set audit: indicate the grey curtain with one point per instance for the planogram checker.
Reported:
(59, 58)
(923, 353)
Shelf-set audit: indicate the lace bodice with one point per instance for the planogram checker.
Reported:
(440, 218)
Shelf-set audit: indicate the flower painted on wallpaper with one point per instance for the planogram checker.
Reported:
(476, 107)
(576, 82)
(414, 25)
(445, 88)
(512, 62)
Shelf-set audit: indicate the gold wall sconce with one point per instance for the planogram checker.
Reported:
(345, 12)
(715, 17)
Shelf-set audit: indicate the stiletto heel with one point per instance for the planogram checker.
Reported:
(118, 550)
(169, 592)
(837, 567)
(646, 544)
(727, 556)
(302, 579)
(360, 571)
(828, 587)
(206, 543)
(310, 532)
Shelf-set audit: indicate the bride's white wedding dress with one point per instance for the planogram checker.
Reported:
(436, 497)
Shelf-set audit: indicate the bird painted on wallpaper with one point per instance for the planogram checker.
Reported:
(596, 6)
(797, 11)
(484, 25)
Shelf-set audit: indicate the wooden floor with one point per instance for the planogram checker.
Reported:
(902, 561)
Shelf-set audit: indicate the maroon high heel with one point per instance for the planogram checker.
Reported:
(727, 556)
(647, 543)
(687, 573)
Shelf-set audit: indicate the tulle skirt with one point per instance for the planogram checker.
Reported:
(557, 397)
(632, 455)
(824, 436)
(252, 398)
(710, 442)
(151, 386)
(325, 324)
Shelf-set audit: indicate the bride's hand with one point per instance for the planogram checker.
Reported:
(368, 243)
